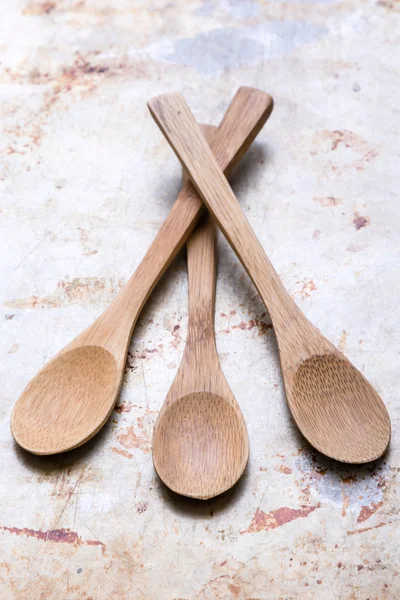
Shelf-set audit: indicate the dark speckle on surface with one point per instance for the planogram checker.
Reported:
(360, 221)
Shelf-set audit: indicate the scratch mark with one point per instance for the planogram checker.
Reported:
(366, 529)
(31, 251)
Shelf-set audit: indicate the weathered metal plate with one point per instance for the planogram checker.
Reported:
(86, 181)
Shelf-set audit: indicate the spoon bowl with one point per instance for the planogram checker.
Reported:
(200, 442)
(76, 388)
(337, 409)
(196, 438)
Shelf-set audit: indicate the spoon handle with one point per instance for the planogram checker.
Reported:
(178, 125)
(201, 258)
(246, 115)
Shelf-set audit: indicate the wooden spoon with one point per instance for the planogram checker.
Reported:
(72, 397)
(200, 442)
(335, 407)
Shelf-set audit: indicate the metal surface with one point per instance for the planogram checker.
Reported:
(87, 179)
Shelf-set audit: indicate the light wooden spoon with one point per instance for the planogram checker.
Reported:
(335, 407)
(200, 442)
(71, 398)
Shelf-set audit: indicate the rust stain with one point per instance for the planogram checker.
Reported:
(130, 366)
(367, 511)
(130, 439)
(327, 201)
(348, 138)
(306, 491)
(122, 452)
(318, 471)
(217, 587)
(346, 501)
(349, 479)
(85, 241)
(73, 291)
(316, 234)
(232, 313)
(5, 565)
(65, 536)
(126, 407)
(360, 221)
(342, 341)
(298, 451)
(141, 507)
(368, 157)
(308, 286)
(13, 349)
(284, 469)
(234, 589)
(262, 326)
(96, 543)
(329, 141)
(381, 480)
(326, 142)
(390, 4)
(24, 137)
(121, 408)
(145, 354)
(39, 8)
(366, 529)
(80, 79)
(176, 336)
(265, 521)
(63, 80)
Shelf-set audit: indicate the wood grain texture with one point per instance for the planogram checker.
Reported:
(200, 442)
(334, 406)
(63, 407)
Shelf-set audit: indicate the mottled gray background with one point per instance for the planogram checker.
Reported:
(87, 179)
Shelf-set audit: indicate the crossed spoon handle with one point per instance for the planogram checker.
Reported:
(334, 406)
(71, 398)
